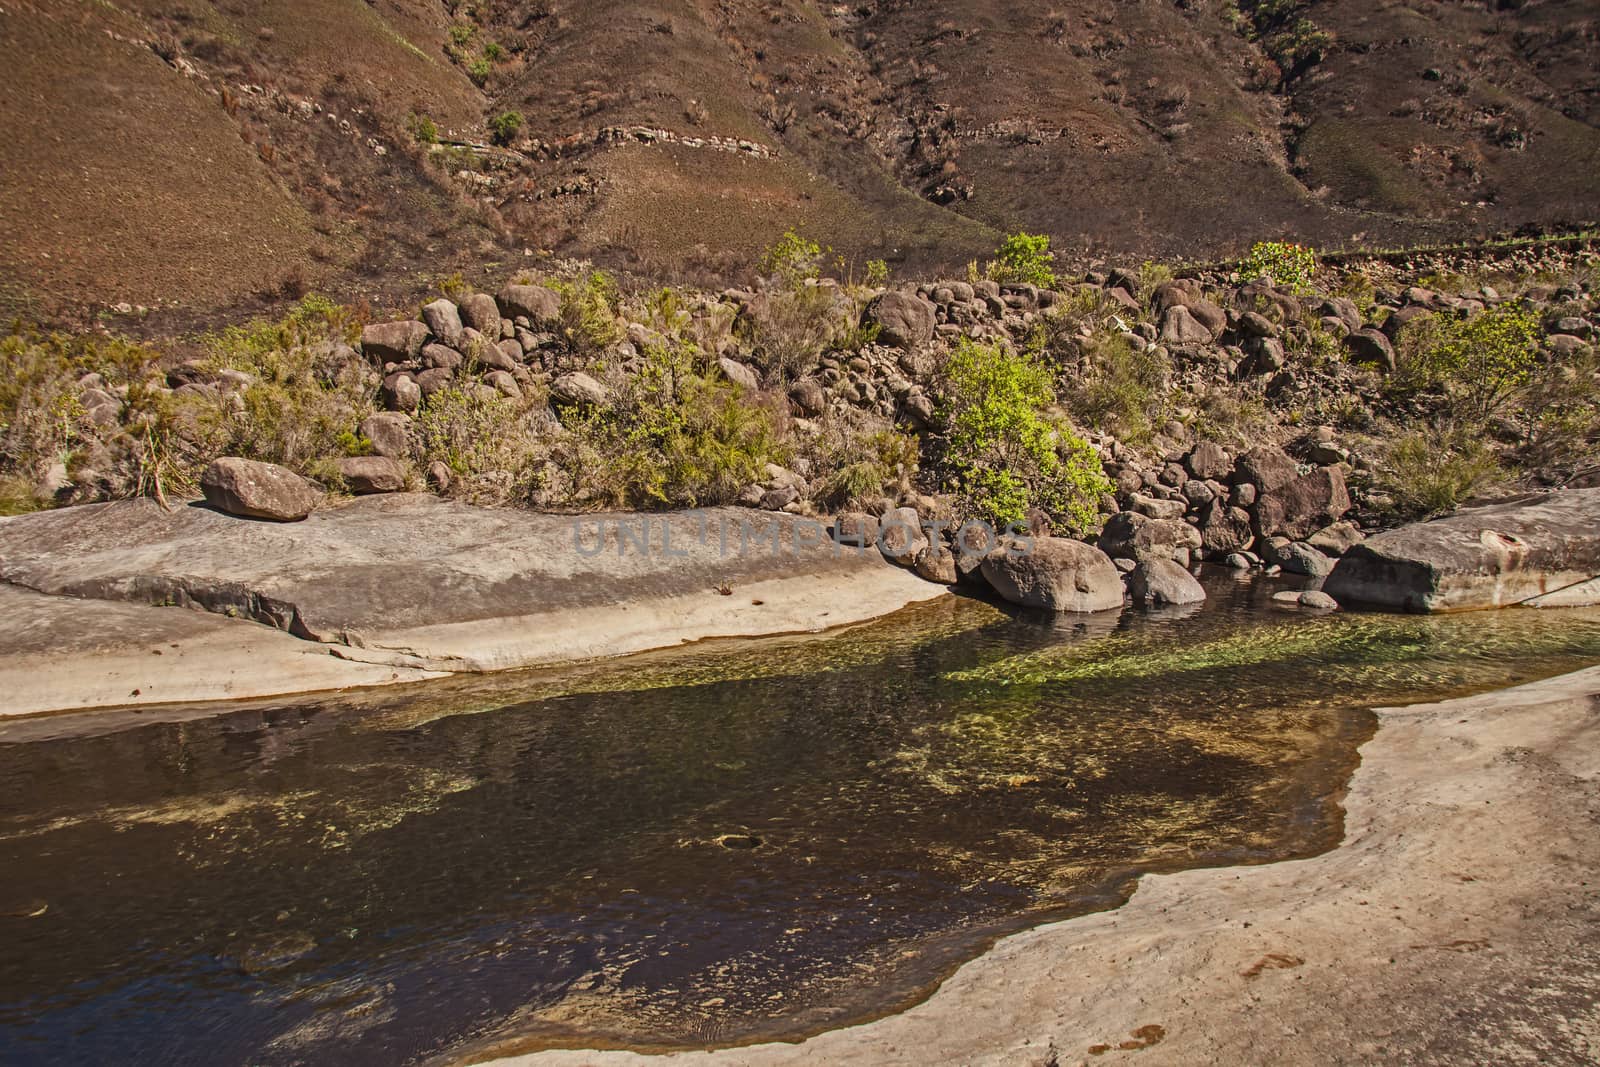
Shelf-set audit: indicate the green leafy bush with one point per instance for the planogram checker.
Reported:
(1005, 453)
(475, 433)
(504, 127)
(478, 70)
(1430, 472)
(1292, 266)
(791, 324)
(1480, 360)
(1024, 257)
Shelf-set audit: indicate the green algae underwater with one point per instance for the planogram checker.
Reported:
(722, 844)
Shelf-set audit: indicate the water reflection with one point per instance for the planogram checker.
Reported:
(704, 846)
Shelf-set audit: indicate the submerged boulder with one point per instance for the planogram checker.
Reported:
(1543, 552)
(1054, 573)
(256, 490)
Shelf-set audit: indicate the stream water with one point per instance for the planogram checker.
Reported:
(722, 844)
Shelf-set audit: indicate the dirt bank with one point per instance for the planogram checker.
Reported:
(1459, 922)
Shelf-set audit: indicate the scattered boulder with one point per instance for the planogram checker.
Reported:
(1224, 529)
(577, 389)
(1310, 598)
(257, 490)
(1179, 327)
(365, 475)
(936, 563)
(1054, 573)
(1208, 461)
(1129, 535)
(400, 392)
(901, 536)
(481, 313)
(1303, 506)
(1267, 468)
(389, 432)
(808, 397)
(904, 320)
(1371, 346)
(540, 306)
(437, 355)
(739, 374)
(444, 320)
(1157, 582)
(393, 342)
(1297, 557)
(856, 528)
(1337, 539)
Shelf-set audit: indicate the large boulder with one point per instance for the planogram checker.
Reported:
(481, 313)
(539, 305)
(1054, 573)
(808, 397)
(394, 342)
(389, 432)
(739, 374)
(256, 490)
(365, 475)
(1157, 582)
(1371, 346)
(1129, 535)
(1544, 552)
(1224, 529)
(1267, 468)
(1179, 327)
(904, 320)
(1301, 507)
(1209, 460)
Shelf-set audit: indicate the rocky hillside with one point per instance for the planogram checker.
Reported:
(199, 154)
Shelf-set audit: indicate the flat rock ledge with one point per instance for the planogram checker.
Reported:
(1540, 552)
(402, 588)
(1454, 924)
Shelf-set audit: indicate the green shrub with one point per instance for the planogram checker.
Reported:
(493, 52)
(478, 70)
(865, 460)
(504, 127)
(675, 435)
(1430, 472)
(1005, 453)
(589, 303)
(1480, 360)
(792, 259)
(790, 325)
(461, 33)
(474, 433)
(1121, 389)
(424, 130)
(1024, 257)
(1292, 266)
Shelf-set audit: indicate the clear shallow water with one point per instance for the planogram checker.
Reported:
(717, 845)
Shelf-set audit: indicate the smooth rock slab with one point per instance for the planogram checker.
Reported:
(411, 580)
(1489, 557)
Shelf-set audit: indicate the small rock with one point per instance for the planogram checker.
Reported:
(1161, 581)
(365, 475)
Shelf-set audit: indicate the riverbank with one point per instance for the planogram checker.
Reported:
(1457, 922)
(389, 590)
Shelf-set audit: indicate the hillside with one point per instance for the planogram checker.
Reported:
(210, 154)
